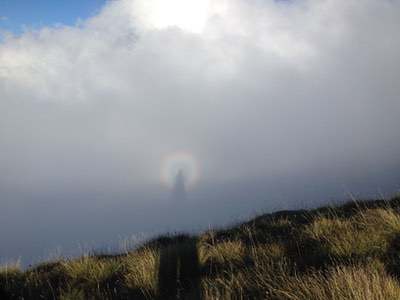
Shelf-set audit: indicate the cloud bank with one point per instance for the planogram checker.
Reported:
(254, 90)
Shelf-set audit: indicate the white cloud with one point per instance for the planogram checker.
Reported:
(253, 87)
(189, 15)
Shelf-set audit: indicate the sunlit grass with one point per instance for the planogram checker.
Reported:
(222, 252)
(142, 271)
(10, 273)
(341, 282)
(92, 275)
(368, 233)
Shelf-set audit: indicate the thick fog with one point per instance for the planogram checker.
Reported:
(280, 104)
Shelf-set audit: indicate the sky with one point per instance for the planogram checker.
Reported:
(22, 15)
(263, 105)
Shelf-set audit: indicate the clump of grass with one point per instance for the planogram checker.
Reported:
(368, 233)
(275, 251)
(44, 281)
(228, 285)
(385, 221)
(11, 279)
(341, 282)
(10, 270)
(336, 237)
(142, 271)
(260, 280)
(225, 252)
(96, 276)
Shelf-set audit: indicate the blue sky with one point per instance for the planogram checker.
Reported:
(15, 14)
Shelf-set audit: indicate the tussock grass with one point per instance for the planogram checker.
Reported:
(346, 252)
(142, 271)
(10, 270)
(228, 285)
(92, 271)
(351, 282)
(274, 251)
(95, 278)
(10, 278)
(232, 252)
(368, 233)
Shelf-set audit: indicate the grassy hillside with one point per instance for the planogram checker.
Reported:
(346, 252)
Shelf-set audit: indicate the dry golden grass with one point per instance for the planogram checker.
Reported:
(228, 285)
(386, 221)
(91, 273)
(352, 283)
(275, 251)
(367, 233)
(142, 271)
(222, 252)
(336, 237)
(277, 280)
(10, 273)
(10, 267)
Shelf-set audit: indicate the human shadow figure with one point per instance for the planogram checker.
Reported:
(179, 188)
(178, 276)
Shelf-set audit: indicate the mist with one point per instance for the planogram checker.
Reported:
(281, 104)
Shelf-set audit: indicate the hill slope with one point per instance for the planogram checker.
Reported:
(345, 252)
